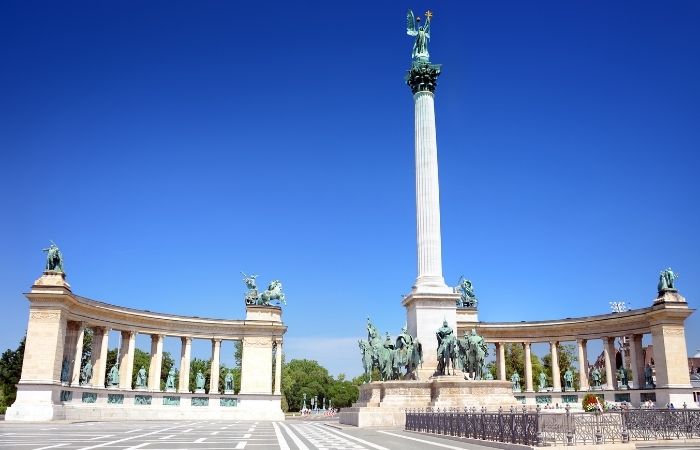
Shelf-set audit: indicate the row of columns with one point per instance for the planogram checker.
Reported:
(636, 363)
(100, 347)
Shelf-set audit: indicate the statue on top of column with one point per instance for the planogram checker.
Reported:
(273, 292)
(666, 281)
(54, 258)
(467, 298)
(422, 34)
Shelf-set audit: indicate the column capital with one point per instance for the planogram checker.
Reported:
(581, 341)
(186, 339)
(422, 77)
(217, 340)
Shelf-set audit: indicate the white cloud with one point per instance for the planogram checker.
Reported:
(338, 355)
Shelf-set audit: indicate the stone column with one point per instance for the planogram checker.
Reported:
(430, 277)
(100, 347)
(156, 362)
(501, 361)
(637, 360)
(556, 375)
(44, 346)
(75, 374)
(670, 356)
(582, 364)
(126, 363)
(278, 369)
(528, 367)
(609, 354)
(256, 366)
(214, 375)
(184, 384)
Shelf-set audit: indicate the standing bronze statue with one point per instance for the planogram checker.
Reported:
(422, 35)
(389, 357)
(447, 350)
(54, 258)
(666, 281)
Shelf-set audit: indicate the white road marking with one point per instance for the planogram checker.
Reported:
(247, 436)
(241, 444)
(214, 432)
(367, 443)
(251, 428)
(134, 431)
(294, 437)
(436, 444)
(188, 430)
(166, 437)
(53, 446)
(99, 437)
(280, 438)
(138, 446)
(200, 440)
(104, 444)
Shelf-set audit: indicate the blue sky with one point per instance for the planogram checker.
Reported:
(167, 146)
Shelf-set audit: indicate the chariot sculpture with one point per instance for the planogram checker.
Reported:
(272, 293)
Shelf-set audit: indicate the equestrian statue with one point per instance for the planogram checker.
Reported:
(390, 357)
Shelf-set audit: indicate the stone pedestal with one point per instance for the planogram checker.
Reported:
(384, 403)
(425, 314)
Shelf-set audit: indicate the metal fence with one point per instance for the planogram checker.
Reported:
(569, 428)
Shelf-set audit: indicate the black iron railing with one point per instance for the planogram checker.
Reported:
(520, 426)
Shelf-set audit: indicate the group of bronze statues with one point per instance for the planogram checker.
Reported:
(466, 354)
(272, 293)
(391, 358)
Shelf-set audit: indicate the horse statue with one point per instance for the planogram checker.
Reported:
(388, 357)
(473, 352)
(273, 292)
(447, 350)
(366, 358)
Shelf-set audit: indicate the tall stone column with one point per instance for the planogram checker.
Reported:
(637, 360)
(670, 356)
(582, 364)
(556, 375)
(100, 347)
(184, 384)
(501, 361)
(278, 368)
(214, 373)
(528, 367)
(608, 355)
(126, 364)
(156, 362)
(78, 355)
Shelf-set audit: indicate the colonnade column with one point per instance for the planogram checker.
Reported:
(214, 375)
(501, 361)
(637, 360)
(278, 368)
(156, 362)
(126, 365)
(100, 341)
(75, 374)
(608, 354)
(582, 364)
(556, 375)
(528, 368)
(184, 385)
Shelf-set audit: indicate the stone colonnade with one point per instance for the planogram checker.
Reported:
(58, 320)
(663, 321)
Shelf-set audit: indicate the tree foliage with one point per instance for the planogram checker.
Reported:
(566, 359)
(303, 376)
(10, 373)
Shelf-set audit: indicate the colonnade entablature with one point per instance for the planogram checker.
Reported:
(58, 319)
(663, 321)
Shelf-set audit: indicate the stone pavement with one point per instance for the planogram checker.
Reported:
(292, 434)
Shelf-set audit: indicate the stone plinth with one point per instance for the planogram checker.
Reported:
(425, 314)
(670, 296)
(384, 403)
(268, 313)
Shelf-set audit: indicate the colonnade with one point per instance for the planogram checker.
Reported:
(73, 350)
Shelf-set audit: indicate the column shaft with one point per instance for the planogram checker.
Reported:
(126, 365)
(582, 364)
(156, 362)
(214, 375)
(501, 361)
(637, 360)
(278, 369)
(528, 367)
(184, 385)
(609, 354)
(100, 347)
(75, 378)
(556, 375)
(427, 197)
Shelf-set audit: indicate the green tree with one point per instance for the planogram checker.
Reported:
(343, 393)
(200, 365)
(141, 358)
(303, 376)
(515, 361)
(10, 373)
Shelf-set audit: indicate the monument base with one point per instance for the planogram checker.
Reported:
(384, 403)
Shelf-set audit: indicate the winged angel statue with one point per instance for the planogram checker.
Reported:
(422, 34)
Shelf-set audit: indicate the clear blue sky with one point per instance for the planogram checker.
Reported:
(167, 146)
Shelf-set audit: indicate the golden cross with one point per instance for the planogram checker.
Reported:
(428, 15)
